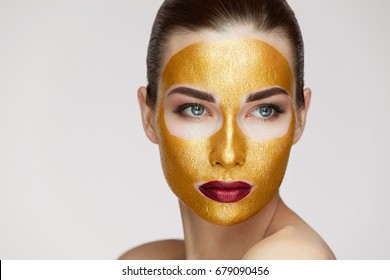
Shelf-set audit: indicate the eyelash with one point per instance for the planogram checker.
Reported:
(277, 110)
(181, 108)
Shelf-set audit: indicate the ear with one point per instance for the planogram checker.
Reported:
(301, 115)
(147, 115)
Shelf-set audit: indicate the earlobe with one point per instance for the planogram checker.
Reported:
(301, 115)
(147, 115)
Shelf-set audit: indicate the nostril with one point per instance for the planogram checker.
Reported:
(227, 164)
(227, 158)
(228, 152)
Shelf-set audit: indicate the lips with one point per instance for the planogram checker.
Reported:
(225, 192)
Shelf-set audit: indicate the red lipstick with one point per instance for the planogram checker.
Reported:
(226, 192)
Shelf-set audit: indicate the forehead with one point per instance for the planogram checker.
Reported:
(200, 58)
(230, 64)
(181, 40)
(236, 66)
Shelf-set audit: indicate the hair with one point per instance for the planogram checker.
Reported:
(176, 16)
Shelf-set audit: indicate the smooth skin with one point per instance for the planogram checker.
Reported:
(275, 232)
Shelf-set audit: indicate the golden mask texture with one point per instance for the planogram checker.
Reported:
(230, 70)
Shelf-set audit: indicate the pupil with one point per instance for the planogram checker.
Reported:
(265, 112)
(197, 110)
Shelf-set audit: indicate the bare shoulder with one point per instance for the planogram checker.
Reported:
(291, 243)
(158, 250)
(291, 239)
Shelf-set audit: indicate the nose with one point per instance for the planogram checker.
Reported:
(228, 146)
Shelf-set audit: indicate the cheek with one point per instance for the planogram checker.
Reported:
(185, 128)
(260, 130)
(184, 160)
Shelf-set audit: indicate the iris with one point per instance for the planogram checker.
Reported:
(197, 110)
(265, 112)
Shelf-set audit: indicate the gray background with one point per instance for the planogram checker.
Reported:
(78, 178)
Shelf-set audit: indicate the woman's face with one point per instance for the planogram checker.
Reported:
(225, 120)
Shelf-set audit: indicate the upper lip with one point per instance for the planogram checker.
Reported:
(225, 192)
(223, 185)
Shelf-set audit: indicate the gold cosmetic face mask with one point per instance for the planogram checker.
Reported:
(230, 70)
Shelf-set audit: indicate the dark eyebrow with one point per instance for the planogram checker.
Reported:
(265, 94)
(193, 93)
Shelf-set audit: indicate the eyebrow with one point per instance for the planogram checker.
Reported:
(265, 94)
(193, 93)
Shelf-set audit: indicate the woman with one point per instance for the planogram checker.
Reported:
(225, 103)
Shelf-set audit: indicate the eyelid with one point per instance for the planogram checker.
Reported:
(184, 106)
(276, 106)
(181, 108)
(277, 112)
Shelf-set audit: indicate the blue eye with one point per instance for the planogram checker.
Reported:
(191, 110)
(197, 110)
(265, 112)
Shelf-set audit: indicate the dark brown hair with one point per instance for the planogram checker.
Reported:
(189, 15)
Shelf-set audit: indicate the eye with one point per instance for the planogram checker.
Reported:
(266, 111)
(191, 110)
(196, 110)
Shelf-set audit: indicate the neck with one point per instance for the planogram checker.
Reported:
(204, 240)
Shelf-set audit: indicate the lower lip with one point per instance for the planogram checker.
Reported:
(225, 192)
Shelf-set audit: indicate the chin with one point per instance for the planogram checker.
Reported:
(228, 214)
